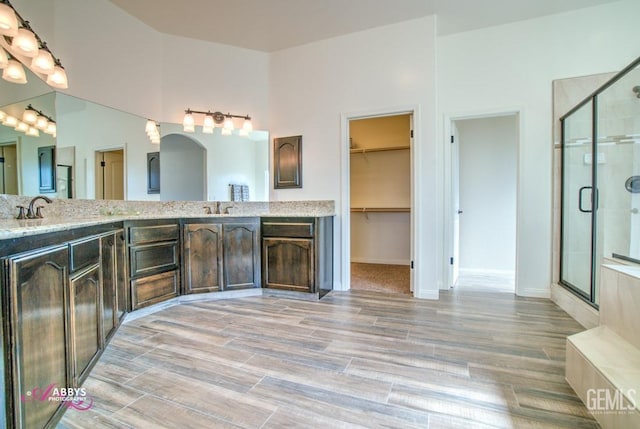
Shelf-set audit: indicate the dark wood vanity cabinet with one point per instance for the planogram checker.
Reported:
(154, 261)
(221, 255)
(60, 302)
(37, 352)
(297, 254)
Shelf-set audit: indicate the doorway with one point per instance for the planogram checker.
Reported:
(484, 200)
(110, 175)
(380, 183)
(9, 169)
(183, 169)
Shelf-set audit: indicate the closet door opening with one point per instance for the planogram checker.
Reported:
(380, 171)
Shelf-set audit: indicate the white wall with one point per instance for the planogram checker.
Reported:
(511, 67)
(488, 178)
(384, 69)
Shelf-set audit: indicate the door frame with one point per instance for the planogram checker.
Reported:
(92, 178)
(17, 142)
(450, 211)
(417, 178)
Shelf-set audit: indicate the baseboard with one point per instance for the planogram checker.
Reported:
(381, 261)
(428, 294)
(501, 273)
(582, 312)
(533, 293)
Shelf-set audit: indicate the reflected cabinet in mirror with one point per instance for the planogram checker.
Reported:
(99, 152)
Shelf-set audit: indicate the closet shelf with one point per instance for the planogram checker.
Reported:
(380, 209)
(379, 149)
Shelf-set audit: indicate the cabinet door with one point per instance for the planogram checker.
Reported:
(202, 258)
(288, 264)
(241, 255)
(109, 278)
(85, 321)
(39, 320)
(122, 285)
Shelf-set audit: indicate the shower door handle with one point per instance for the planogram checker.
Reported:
(580, 193)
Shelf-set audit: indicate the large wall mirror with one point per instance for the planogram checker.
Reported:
(102, 153)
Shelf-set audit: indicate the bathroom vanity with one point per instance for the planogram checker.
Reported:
(68, 284)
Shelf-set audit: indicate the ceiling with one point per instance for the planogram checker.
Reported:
(271, 25)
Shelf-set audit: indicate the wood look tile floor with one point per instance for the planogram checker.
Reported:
(356, 359)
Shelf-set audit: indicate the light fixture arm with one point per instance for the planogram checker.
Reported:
(218, 117)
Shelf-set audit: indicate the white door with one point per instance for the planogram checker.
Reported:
(454, 263)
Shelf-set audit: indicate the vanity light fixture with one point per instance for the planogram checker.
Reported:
(34, 121)
(153, 131)
(216, 119)
(23, 45)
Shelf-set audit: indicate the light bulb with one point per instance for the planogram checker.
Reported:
(10, 121)
(8, 20)
(209, 124)
(51, 128)
(58, 78)
(30, 116)
(225, 132)
(33, 132)
(25, 43)
(22, 127)
(188, 123)
(14, 72)
(42, 122)
(150, 127)
(228, 123)
(43, 62)
(2, 115)
(247, 125)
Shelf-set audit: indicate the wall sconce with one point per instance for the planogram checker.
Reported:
(216, 119)
(153, 131)
(33, 121)
(21, 45)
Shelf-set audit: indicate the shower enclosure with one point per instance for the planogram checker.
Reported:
(600, 218)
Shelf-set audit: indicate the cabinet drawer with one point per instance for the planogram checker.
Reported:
(152, 289)
(153, 257)
(84, 254)
(150, 234)
(287, 229)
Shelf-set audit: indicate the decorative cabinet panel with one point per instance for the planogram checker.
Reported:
(113, 295)
(297, 254)
(202, 249)
(40, 355)
(241, 255)
(221, 256)
(288, 263)
(86, 316)
(122, 284)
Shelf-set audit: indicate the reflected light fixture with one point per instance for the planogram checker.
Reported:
(153, 131)
(33, 121)
(20, 44)
(216, 119)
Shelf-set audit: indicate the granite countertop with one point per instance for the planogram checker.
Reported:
(14, 228)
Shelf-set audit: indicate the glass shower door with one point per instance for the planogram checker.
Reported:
(578, 201)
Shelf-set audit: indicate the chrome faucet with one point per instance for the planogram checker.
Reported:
(37, 214)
